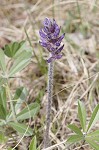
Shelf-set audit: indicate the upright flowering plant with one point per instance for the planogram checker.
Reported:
(50, 40)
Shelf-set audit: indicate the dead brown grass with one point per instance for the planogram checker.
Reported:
(76, 74)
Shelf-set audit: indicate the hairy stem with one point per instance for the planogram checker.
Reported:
(49, 103)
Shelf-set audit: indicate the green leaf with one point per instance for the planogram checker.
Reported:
(75, 129)
(24, 48)
(94, 133)
(94, 138)
(3, 98)
(82, 115)
(2, 112)
(74, 138)
(33, 144)
(21, 62)
(9, 148)
(94, 118)
(30, 111)
(21, 128)
(11, 49)
(92, 143)
(2, 61)
(2, 138)
(20, 93)
(40, 95)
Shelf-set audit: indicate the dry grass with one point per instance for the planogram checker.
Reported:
(76, 74)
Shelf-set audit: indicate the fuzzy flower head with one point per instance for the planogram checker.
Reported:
(51, 40)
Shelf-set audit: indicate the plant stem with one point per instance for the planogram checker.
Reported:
(49, 103)
(11, 104)
(78, 7)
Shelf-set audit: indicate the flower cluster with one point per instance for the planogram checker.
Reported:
(51, 40)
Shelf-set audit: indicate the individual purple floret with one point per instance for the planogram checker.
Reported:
(51, 40)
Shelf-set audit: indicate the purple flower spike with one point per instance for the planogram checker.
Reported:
(59, 49)
(51, 40)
